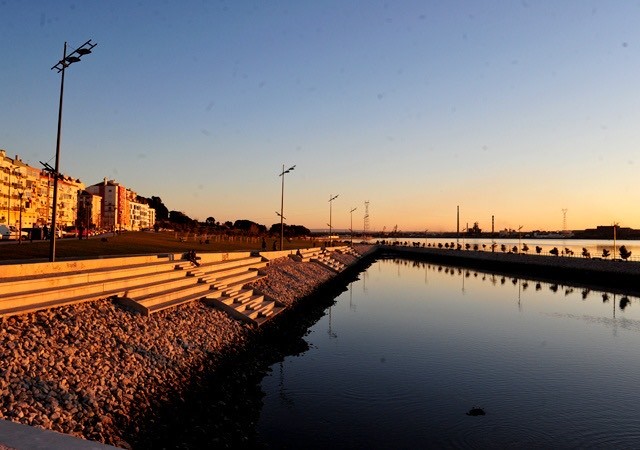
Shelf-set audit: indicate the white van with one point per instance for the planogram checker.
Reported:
(11, 232)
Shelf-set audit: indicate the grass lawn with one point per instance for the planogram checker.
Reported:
(138, 243)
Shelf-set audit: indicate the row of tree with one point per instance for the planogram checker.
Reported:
(179, 220)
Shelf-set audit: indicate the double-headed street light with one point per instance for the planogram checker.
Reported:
(61, 65)
(351, 229)
(331, 199)
(282, 205)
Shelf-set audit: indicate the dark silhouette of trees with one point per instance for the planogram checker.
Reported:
(554, 251)
(538, 249)
(162, 212)
(503, 248)
(525, 248)
(515, 249)
(290, 230)
(624, 302)
(624, 253)
(605, 253)
(586, 253)
(180, 218)
(249, 227)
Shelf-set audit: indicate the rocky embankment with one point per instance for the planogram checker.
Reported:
(97, 371)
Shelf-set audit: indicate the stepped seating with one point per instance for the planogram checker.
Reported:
(212, 280)
(306, 255)
(231, 294)
(31, 287)
(326, 260)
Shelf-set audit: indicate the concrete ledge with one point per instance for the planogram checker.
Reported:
(19, 436)
(596, 272)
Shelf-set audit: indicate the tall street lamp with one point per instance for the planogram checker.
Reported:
(282, 205)
(61, 65)
(17, 173)
(331, 199)
(351, 229)
(20, 194)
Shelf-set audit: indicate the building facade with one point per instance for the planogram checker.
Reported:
(26, 199)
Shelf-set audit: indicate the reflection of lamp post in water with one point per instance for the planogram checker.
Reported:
(329, 332)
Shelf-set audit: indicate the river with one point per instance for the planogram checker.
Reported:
(410, 347)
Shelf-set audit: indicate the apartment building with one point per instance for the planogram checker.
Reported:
(26, 197)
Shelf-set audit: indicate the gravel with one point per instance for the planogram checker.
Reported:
(94, 370)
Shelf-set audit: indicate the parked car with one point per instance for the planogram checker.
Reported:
(11, 232)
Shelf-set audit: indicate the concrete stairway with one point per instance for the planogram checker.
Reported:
(144, 284)
(31, 287)
(326, 260)
(209, 280)
(235, 298)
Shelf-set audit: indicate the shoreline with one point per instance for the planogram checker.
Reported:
(97, 371)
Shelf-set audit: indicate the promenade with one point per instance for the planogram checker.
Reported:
(97, 370)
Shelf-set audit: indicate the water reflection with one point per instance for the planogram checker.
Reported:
(552, 364)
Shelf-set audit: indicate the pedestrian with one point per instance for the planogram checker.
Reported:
(264, 244)
(45, 232)
(191, 256)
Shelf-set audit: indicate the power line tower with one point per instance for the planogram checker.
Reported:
(564, 220)
(365, 230)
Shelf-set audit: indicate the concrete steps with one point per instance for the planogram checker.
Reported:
(23, 294)
(238, 300)
(207, 281)
(174, 296)
(327, 261)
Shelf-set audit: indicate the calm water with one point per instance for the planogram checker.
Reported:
(593, 246)
(410, 347)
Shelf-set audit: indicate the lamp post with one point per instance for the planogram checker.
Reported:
(60, 66)
(20, 194)
(331, 199)
(351, 229)
(282, 205)
(17, 173)
(615, 225)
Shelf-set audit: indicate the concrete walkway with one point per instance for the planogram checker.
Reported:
(24, 437)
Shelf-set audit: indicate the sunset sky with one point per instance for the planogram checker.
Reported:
(516, 109)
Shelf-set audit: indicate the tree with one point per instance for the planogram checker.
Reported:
(554, 251)
(503, 248)
(515, 249)
(162, 212)
(605, 253)
(586, 253)
(210, 222)
(538, 249)
(624, 253)
(180, 218)
(525, 248)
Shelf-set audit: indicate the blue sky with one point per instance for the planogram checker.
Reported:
(506, 108)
